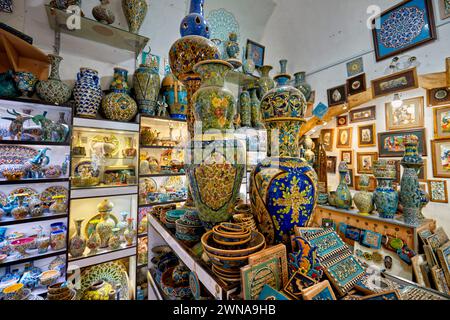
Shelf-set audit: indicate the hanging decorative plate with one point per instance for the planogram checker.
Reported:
(86, 166)
(97, 218)
(47, 195)
(112, 272)
(107, 146)
(222, 23)
(31, 192)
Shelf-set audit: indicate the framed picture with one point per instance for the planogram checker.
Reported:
(321, 291)
(417, 20)
(344, 137)
(442, 122)
(407, 116)
(350, 178)
(438, 276)
(278, 251)
(255, 52)
(441, 158)
(309, 110)
(356, 84)
(372, 183)
(394, 83)
(365, 161)
(342, 121)
(443, 254)
(337, 95)
(438, 96)
(347, 156)
(254, 277)
(444, 8)
(355, 67)
(367, 136)
(438, 191)
(363, 114)
(390, 144)
(327, 138)
(331, 164)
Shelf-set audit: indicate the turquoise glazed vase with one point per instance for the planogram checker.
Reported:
(245, 109)
(283, 186)
(7, 86)
(302, 85)
(118, 105)
(215, 159)
(147, 83)
(176, 96)
(87, 93)
(364, 200)
(255, 106)
(54, 90)
(343, 195)
(194, 24)
(135, 12)
(385, 197)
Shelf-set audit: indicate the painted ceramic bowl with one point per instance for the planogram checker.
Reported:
(49, 277)
(256, 243)
(14, 291)
(231, 234)
(22, 245)
(53, 172)
(243, 209)
(174, 290)
(227, 275)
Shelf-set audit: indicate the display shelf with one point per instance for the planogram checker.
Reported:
(157, 292)
(102, 252)
(97, 31)
(142, 235)
(33, 181)
(106, 191)
(34, 143)
(102, 258)
(162, 119)
(16, 101)
(92, 124)
(161, 147)
(106, 158)
(32, 257)
(155, 175)
(161, 203)
(9, 221)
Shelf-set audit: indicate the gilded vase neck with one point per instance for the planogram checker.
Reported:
(213, 72)
(283, 137)
(264, 71)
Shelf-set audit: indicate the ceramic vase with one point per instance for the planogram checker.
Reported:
(194, 23)
(309, 154)
(114, 240)
(103, 12)
(245, 109)
(7, 86)
(58, 239)
(54, 90)
(364, 199)
(130, 232)
(215, 161)
(146, 83)
(385, 197)
(302, 85)
(25, 83)
(283, 186)
(123, 225)
(176, 96)
(77, 244)
(87, 93)
(118, 105)
(255, 105)
(106, 224)
(20, 211)
(94, 240)
(135, 12)
(343, 195)
(265, 82)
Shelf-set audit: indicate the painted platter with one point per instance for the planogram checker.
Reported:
(47, 195)
(86, 165)
(16, 154)
(31, 192)
(98, 218)
(112, 272)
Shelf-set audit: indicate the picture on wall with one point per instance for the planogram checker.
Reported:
(409, 115)
(438, 191)
(331, 164)
(438, 96)
(442, 122)
(356, 84)
(347, 156)
(444, 8)
(355, 67)
(337, 95)
(255, 52)
(441, 158)
(416, 19)
(365, 161)
(327, 138)
(367, 136)
(394, 83)
(344, 138)
(390, 144)
(342, 121)
(363, 114)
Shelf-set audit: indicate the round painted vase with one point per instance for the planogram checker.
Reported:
(283, 186)
(255, 106)
(54, 90)
(215, 162)
(103, 13)
(385, 197)
(135, 12)
(245, 109)
(7, 86)
(302, 85)
(114, 240)
(194, 23)
(343, 194)
(265, 82)
(77, 244)
(87, 93)
(118, 105)
(364, 199)
(147, 83)
(94, 241)
(106, 224)
(176, 96)
(25, 83)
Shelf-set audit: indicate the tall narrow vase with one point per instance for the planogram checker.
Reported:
(135, 12)
(147, 84)
(265, 82)
(343, 195)
(255, 105)
(176, 96)
(87, 93)
(245, 109)
(106, 224)
(77, 244)
(385, 197)
(283, 186)
(54, 90)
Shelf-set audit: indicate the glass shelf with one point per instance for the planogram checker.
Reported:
(32, 255)
(97, 31)
(27, 181)
(101, 252)
(9, 221)
(152, 204)
(242, 79)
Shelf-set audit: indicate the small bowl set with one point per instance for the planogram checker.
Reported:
(170, 218)
(189, 228)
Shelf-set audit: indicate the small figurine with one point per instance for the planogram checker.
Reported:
(51, 131)
(16, 126)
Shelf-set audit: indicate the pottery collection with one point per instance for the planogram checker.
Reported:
(54, 90)
(302, 85)
(87, 93)
(135, 12)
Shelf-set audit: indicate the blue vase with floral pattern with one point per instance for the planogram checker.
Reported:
(343, 195)
(194, 24)
(385, 197)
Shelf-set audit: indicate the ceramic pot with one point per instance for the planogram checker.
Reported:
(42, 244)
(245, 109)
(194, 24)
(94, 241)
(364, 199)
(77, 244)
(135, 12)
(248, 66)
(7, 86)
(255, 106)
(123, 225)
(232, 46)
(302, 85)
(106, 224)
(59, 206)
(130, 232)
(309, 154)
(118, 105)
(176, 96)
(215, 161)
(129, 151)
(20, 211)
(54, 90)
(114, 240)
(343, 195)
(58, 239)
(265, 82)
(283, 186)
(146, 83)
(25, 83)
(385, 197)
(87, 93)
(35, 206)
(103, 12)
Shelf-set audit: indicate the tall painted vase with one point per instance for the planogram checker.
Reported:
(175, 94)
(215, 160)
(343, 194)
(195, 23)
(265, 82)
(245, 109)
(283, 186)
(385, 196)
(54, 90)
(77, 244)
(364, 199)
(106, 225)
(147, 83)
(135, 12)
(87, 93)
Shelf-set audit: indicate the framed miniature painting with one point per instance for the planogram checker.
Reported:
(365, 161)
(347, 156)
(337, 95)
(319, 292)
(255, 52)
(407, 116)
(416, 18)
(443, 254)
(438, 191)
(327, 138)
(350, 179)
(363, 114)
(442, 122)
(444, 8)
(367, 136)
(394, 83)
(438, 96)
(390, 144)
(342, 121)
(344, 138)
(331, 164)
(441, 158)
(355, 67)
(438, 276)
(372, 183)
(356, 84)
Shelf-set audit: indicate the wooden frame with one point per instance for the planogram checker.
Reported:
(250, 44)
(249, 274)
(395, 83)
(430, 191)
(320, 291)
(342, 89)
(419, 113)
(370, 116)
(342, 121)
(416, 261)
(391, 139)
(351, 183)
(349, 143)
(332, 168)
(445, 13)
(438, 96)
(427, 26)
(373, 141)
(360, 166)
(436, 115)
(327, 146)
(356, 84)
(350, 152)
(436, 172)
(278, 251)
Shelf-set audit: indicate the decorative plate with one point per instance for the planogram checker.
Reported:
(112, 272)
(111, 141)
(27, 190)
(97, 217)
(86, 165)
(48, 194)
(441, 94)
(16, 154)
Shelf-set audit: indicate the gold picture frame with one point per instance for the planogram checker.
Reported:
(349, 158)
(347, 134)
(409, 115)
(367, 136)
(372, 183)
(394, 83)
(439, 117)
(327, 138)
(440, 196)
(367, 166)
(441, 165)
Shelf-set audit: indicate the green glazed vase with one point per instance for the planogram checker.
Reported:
(364, 199)
(343, 195)
(245, 109)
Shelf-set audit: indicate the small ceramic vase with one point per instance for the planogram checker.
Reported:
(54, 90)
(176, 96)
(77, 244)
(130, 233)
(343, 195)
(106, 224)
(364, 199)
(129, 151)
(123, 225)
(114, 240)
(35, 206)
(302, 85)
(94, 241)
(59, 206)
(20, 211)
(58, 239)
(103, 12)
(245, 109)
(135, 12)
(42, 243)
(265, 82)
(255, 107)
(25, 83)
